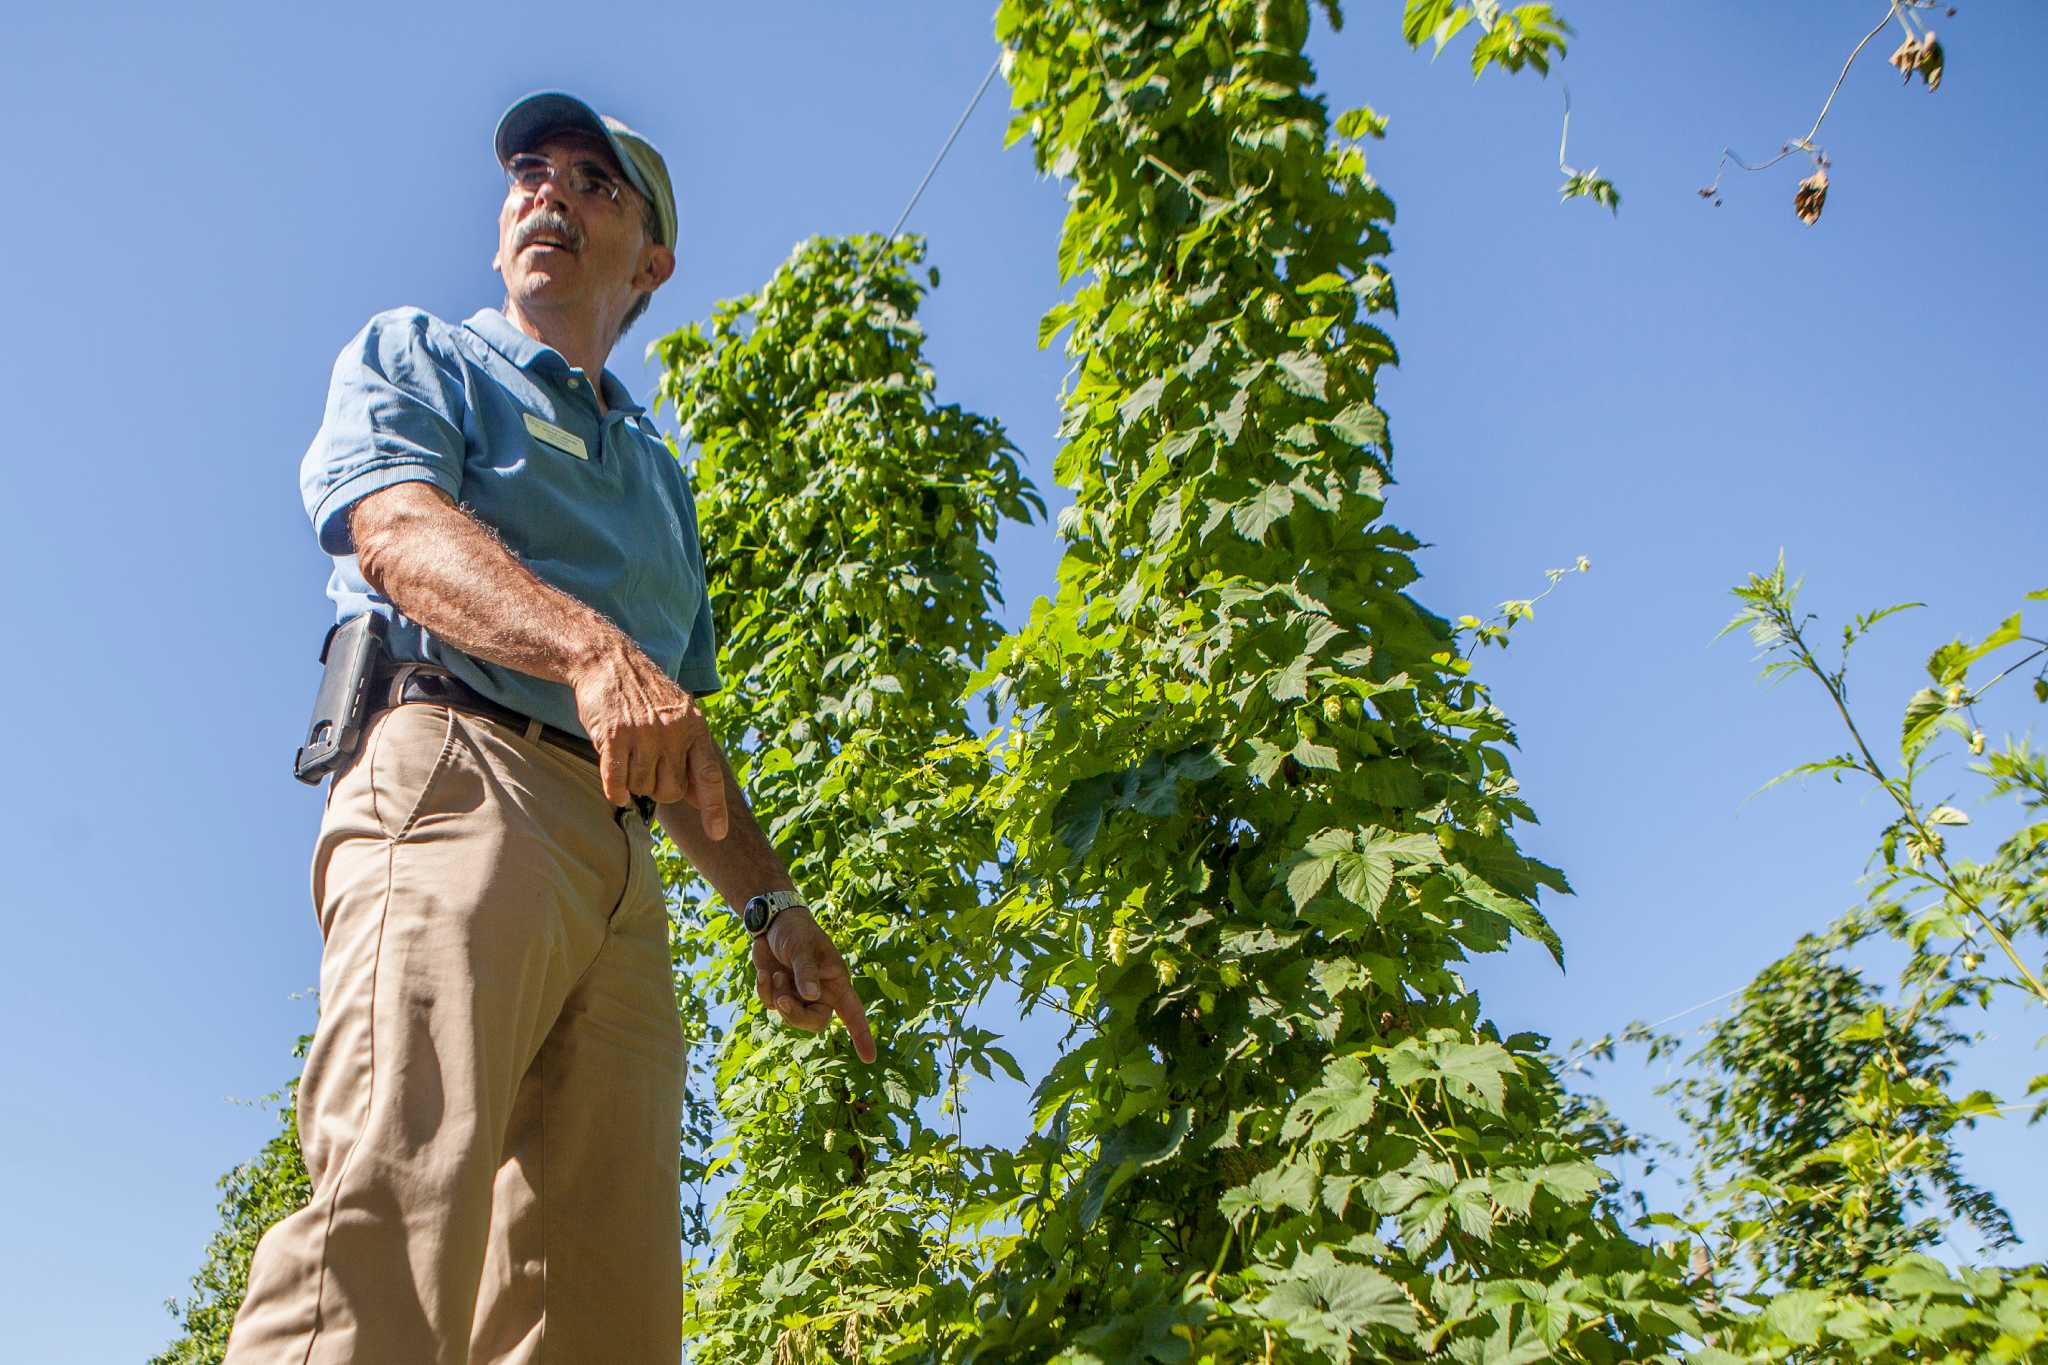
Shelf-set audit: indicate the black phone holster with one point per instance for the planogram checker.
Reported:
(354, 655)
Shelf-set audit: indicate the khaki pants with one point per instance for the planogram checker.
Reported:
(490, 1109)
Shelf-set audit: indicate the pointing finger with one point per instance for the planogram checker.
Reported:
(845, 1001)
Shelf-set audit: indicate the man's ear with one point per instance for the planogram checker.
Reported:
(657, 263)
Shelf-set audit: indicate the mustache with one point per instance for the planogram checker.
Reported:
(552, 225)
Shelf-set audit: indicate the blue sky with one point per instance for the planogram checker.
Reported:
(221, 196)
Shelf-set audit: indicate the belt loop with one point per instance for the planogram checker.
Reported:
(533, 729)
(395, 693)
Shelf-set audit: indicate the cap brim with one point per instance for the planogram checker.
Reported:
(529, 121)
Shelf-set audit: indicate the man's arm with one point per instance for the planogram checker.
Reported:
(447, 571)
(798, 971)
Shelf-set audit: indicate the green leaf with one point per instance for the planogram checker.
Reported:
(1406, 849)
(1360, 122)
(1473, 1072)
(1950, 663)
(1256, 514)
(1323, 1300)
(1290, 683)
(1365, 878)
(1308, 878)
(1332, 841)
(1304, 373)
(1230, 421)
(1923, 710)
(1916, 1276)
(1158, 779)
(1590, 185)
(1290, 1185)
(1165, 518)
(1266, 760)
(1155, 1332)
(1077, 817)
(1142, 400)
(1315, 756)
(1868, 1027)
(1836, 766)
(1338, 1107)
(1571, 1183)
(1123, 1153)
(2007, 632)
(1150, 788)
(1362, 425)
(1526, 919)
(1477, 1072)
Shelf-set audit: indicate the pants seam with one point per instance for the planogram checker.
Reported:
(633, 877)
(612, 915)
(369, 1108)
(541, 1342)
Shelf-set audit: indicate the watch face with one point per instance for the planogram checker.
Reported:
(755, 916)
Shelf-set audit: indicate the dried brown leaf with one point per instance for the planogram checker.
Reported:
(1811, 196)
(1920, 56)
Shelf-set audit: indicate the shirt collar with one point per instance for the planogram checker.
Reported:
(499, 333)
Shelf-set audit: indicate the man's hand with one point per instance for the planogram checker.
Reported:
(799, 974)
(651, 736)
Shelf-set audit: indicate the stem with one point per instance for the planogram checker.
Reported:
(1805, 144)
(1177, 178)
(1912, 815)
(1564, 137)
(1427, 1135)
(953, 1102)
(1229, 1232)
(1912, 1014)
(1891, 11)
(1999, 676)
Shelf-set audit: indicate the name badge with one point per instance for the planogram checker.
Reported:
(568, 442)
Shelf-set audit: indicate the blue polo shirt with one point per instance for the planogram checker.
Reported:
(595, 505)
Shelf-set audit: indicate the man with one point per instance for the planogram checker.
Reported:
(490, 1108)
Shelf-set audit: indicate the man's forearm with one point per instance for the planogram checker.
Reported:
(742, 864)
(451, 574)
(447, 571)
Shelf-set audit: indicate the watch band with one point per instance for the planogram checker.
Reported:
(760, 911)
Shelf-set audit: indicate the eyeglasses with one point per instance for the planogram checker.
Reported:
(528, 172)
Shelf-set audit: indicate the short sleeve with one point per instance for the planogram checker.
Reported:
(394, 415)
(698, 672)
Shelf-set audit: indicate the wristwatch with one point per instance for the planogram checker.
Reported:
(760, 911)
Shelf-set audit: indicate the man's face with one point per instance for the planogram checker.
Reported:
(560, 250)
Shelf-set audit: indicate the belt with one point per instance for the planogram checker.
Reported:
(445, 689)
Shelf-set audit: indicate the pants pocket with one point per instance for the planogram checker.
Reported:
(408, 755)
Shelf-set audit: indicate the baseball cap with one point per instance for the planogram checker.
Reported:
(531, 119)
